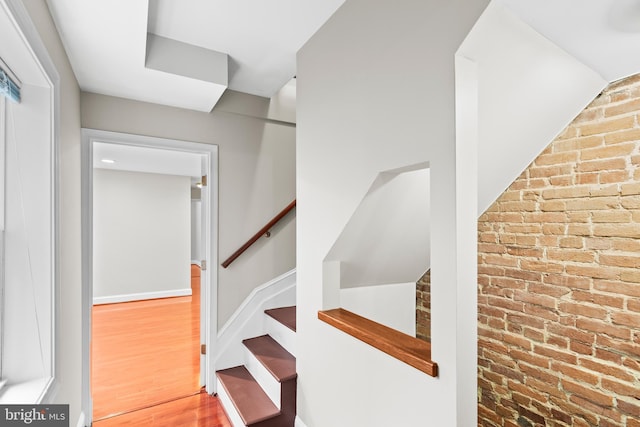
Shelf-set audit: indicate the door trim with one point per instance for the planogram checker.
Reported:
(89, 136)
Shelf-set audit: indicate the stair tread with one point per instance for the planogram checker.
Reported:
(247, 396)
(284, 315)
(273, 357)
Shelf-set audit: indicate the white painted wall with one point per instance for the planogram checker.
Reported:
(374, 99)
(280, 108)
(282, 105)
(466, 242)
(68, 345)
(383, 241)
(529, 91)
(393, 305)
(515, 91)
(393, 93)
(257, 180)
(141, 235)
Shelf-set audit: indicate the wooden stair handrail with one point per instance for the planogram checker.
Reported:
(259, 234)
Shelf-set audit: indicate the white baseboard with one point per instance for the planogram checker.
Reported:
(141, 296)
(81, 420)
(299, 423)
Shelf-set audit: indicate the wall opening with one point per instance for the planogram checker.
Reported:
(384, 248)
(372, 268)
(207, 157)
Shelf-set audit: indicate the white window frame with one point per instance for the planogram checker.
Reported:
(44, 389)
(3, 118)
(3, 128)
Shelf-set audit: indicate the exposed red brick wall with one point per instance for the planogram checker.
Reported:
(423, 307)
(559, 278)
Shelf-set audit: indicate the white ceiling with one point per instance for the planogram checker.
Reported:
(146, 159)
(106, 42)
(602, 34)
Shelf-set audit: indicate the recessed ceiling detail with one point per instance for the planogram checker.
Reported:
(185, 53)
(261, 37)
(172, 56)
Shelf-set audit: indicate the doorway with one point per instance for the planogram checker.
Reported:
(151, 153)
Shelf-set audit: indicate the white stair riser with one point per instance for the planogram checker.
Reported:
(249, 320)
(267, 381)
(228, 406)
(283, 335)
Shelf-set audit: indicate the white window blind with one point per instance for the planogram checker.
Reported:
(9, 87)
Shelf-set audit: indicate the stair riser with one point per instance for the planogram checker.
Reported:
(289, 403)
(268, 383)
(248, 321)
(286, 419)
(228, 406)
(288, 415)
(283, 335)
(266, 397)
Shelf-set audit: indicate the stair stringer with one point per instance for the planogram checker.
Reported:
(249, 319)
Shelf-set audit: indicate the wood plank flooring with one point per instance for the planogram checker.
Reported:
(200, 410)
(146, 353)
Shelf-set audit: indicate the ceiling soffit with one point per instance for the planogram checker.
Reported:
(185, 54)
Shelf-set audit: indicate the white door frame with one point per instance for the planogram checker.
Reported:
(89, 136)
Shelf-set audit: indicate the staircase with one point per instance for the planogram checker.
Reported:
(262, 392)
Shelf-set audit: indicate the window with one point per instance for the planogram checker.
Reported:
(8, 90)
(2, 179)
(28, 263)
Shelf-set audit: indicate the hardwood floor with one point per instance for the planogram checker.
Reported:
(200, 410)
(146, 364)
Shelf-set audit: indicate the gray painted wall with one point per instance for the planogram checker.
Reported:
(68, 343)
(141, 234)
(257, 180)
